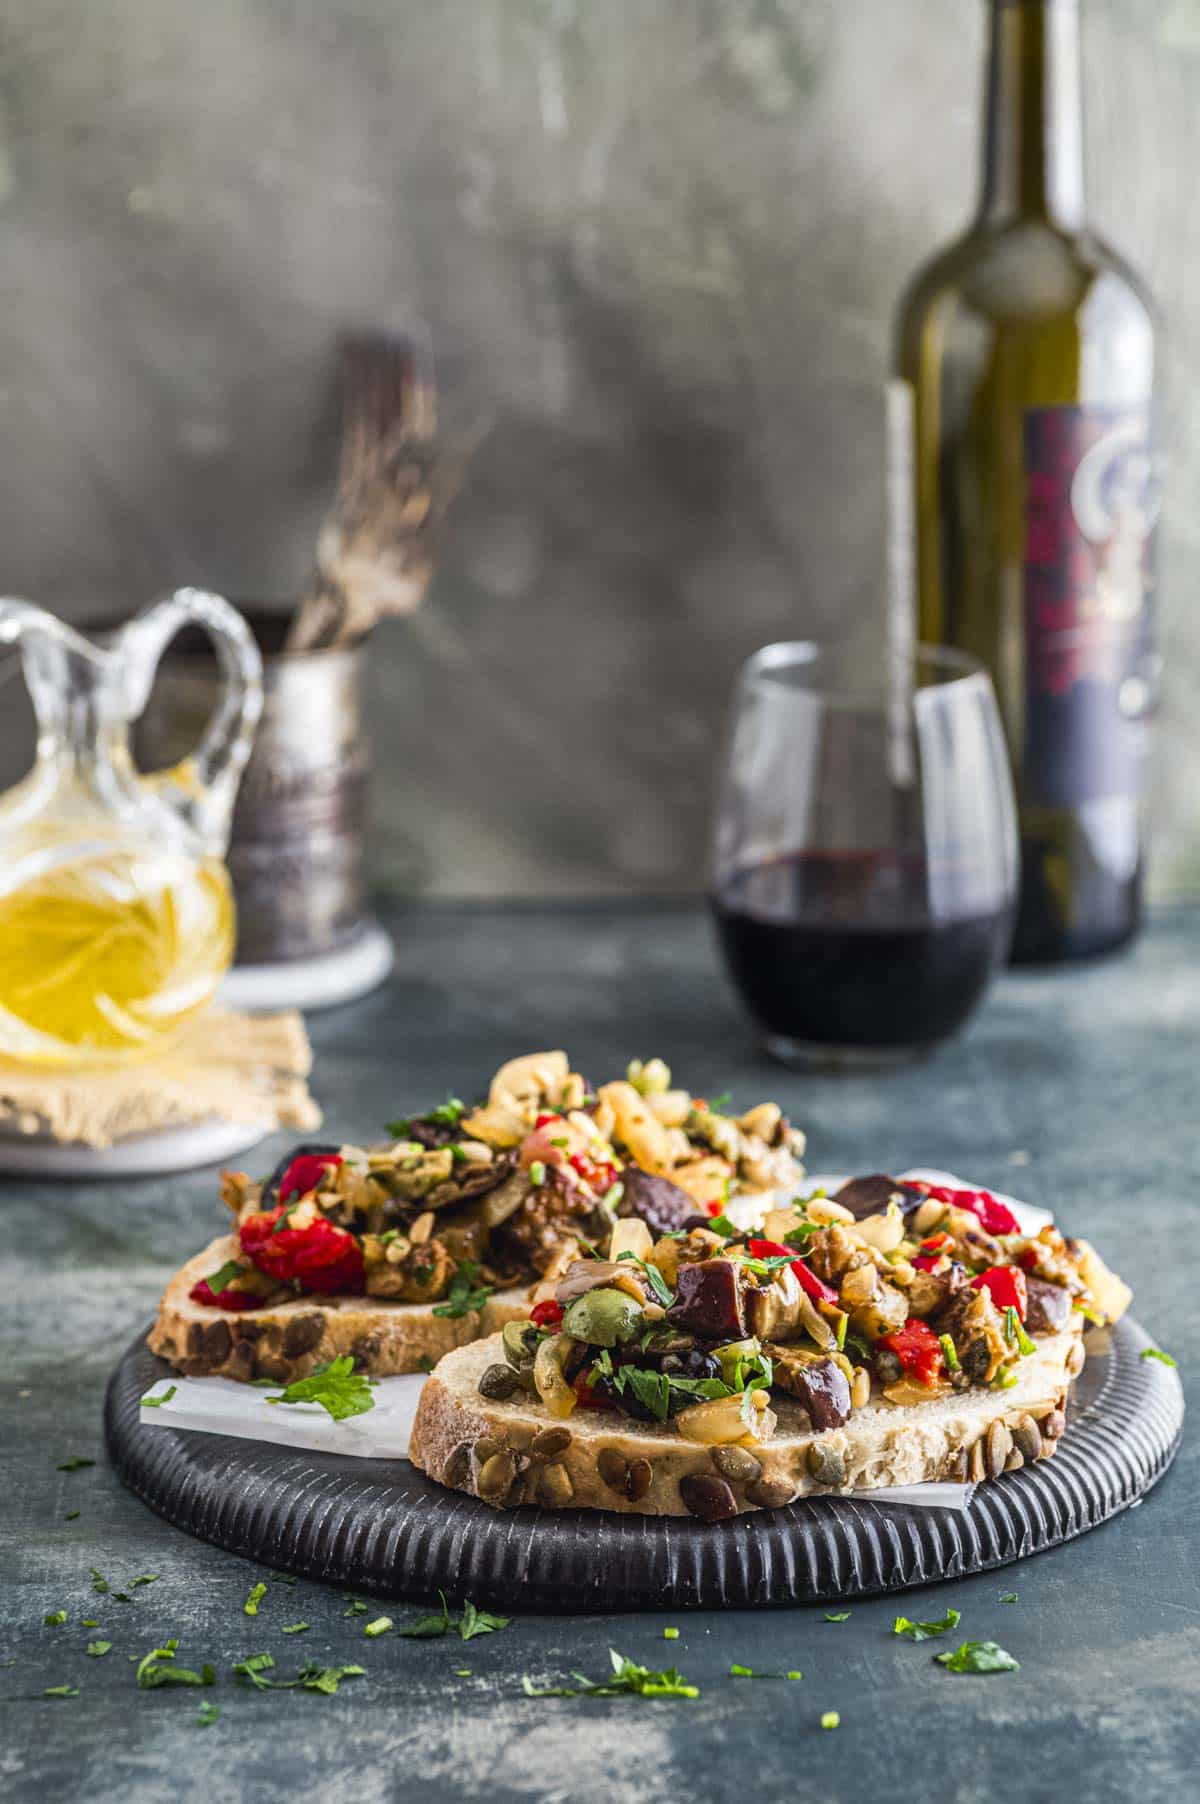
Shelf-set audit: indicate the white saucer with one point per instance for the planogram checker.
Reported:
(142, 1155)
(313, 983)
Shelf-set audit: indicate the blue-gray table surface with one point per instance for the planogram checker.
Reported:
(1076, 1089)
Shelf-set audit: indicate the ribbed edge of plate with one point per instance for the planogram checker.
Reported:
(381, 1526)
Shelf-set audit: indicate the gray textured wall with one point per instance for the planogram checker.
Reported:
(658, 240)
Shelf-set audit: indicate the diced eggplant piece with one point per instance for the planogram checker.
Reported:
(871, 1195)
(775, 1309)
(1048, 1308)
(824, 1390)
(710, 1301)
(663, 1206)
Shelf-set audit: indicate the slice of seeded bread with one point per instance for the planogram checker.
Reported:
(286, 1340)
(515, 1452)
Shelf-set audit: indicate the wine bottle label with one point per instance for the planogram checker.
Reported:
(1092, 493)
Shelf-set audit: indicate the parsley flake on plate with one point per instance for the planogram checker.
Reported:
(336, 1386)
(1157, 1353)
(98, 1649)
(628, 1680)
(978, 1656)
(293, 1628)
(149, 1402)
(258, 1592)
(925, 1631)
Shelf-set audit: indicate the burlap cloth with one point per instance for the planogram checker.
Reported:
(238, 1068)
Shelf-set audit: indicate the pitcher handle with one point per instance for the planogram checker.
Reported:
(203, 786)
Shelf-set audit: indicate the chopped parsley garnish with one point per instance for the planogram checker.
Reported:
(149, 1402)
(1089, 1314)
(949, 1352)
(537, 1174)
(61, 1691)
(89, 1622)
(207, 1714)
(71, 1516)
(54, 1619)
(446, 1114)
(612, 1195)
(464, 1294)
(837, 1615)
(357, 1607)
(670, 1634)
(1013, 1331)
(925, 1631)
(721, 1224)
(1004, 1381)
(656, 1391)
(98, 1649)
(1157, 1353)
(741, 1672)
(294, 1628)
(74, 1464)
(628, 1679)
(99, 1583)
(159, 1668)
(336, 1386)
(380, 1626)
(653, 1277)
(259, 1591)
(145, 1578)
(253, 1668)
(425, 1363)
(831, 1720)
(470, 1623)
(1009, 1597)
(458, 1154)
(978, 1656)
(225, 1274)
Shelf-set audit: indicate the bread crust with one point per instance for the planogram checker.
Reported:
(613, 1463)
(286, 1340)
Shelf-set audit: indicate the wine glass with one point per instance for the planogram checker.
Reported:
(865, 863)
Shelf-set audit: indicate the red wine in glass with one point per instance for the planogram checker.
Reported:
(839, 950)
(865, 857)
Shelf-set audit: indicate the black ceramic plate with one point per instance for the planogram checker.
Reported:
(380, 1525)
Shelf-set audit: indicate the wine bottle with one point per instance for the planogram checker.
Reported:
(1022, 418)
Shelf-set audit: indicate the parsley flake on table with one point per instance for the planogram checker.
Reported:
(98, 1649)
(837, 1615)
(470, 1623)
(1009, 1597)
(670, 1634)
(628, 1680)
(978, 1656)
(925, 1631)
(207, 1714)
(293, 1628)
(380, 1626)
(54, 1619)
(258, 1592)
(74, 1464)
(99, 1582)
(253, 1667)
(61, 1691)
(336, 1386)
(1157, 1353)
(149, 1402)
(145, 1578)
(158, 1668)
(357, 1608)
(71, 1516)
(831, 1720)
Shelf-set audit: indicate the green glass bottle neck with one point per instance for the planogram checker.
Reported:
(1033, 144)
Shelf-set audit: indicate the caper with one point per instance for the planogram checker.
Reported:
(520, 1343)
(602, 1318)
(498, 1382)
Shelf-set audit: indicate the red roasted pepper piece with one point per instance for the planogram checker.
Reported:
(925, 1262)
(918, 1349)
(992, 1215)
(587, 1398)
(599, 1175)
(548, 1314)
(1006, 1286)
(319, 1257)
(224, 1299)
(305, 1173)
(815, 1287)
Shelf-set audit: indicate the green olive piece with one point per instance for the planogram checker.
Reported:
(520, 1343)
(603, 1317)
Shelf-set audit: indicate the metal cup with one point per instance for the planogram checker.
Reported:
(296, 854)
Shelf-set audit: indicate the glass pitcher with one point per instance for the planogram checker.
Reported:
(116, 913)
